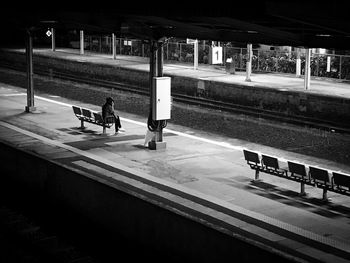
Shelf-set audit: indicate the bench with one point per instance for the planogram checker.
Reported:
(86, 115)
(341, 183)
(313, 176)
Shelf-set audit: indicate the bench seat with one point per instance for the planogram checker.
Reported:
(341, 183)
(317, 177)
(86, 115)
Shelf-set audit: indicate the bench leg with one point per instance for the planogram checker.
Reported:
(324, 195)
(302, 189)
(82, 124)
(104, 129)
(256, 175)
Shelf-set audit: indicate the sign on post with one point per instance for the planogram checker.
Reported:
(190, 41)
(216, 55)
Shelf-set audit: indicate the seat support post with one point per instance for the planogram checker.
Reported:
(324, 195)
(256, 175)
(302, 189)
(82, 124)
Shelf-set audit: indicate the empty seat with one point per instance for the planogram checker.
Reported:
(341, 181)
(319, 176)
(252, 158)
(271, 164)
(98, 117)
(87, 114)
(298, 171)
(77, 111)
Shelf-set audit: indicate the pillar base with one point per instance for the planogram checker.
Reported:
(152, 145)
(30, 109)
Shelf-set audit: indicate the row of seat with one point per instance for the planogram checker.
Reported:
(314, 176)
(86, 115)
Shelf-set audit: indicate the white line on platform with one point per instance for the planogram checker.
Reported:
(12, 94)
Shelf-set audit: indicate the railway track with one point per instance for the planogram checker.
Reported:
(327, 126)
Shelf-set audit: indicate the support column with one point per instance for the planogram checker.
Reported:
(152, 70)
(152, 73)
(156, 70)
(195, 57)
(160, 60)
(81, 42)
(114, 46)
(307, 69)
(249, 62)
(160, 51)
(298, 64)
(53, 39)
(30, 83)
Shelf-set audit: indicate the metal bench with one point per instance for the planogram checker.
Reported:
(86, 115)
(317, 177)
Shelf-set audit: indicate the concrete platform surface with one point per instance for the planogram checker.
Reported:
(202, 165)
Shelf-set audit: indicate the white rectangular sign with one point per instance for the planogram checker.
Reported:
(190, 41)
(216, 55)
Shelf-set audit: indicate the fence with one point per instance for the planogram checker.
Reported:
(262, 60)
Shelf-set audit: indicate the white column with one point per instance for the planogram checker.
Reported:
(195, 57)
(307, 69)
(81, 42)
(249, 62)
(53, 39)
(113, 46)
(298, 64)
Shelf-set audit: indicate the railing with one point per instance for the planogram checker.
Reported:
(262, 60)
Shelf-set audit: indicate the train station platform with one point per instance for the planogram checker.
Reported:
(200, 176)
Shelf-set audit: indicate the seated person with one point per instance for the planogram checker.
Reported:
(108, 110)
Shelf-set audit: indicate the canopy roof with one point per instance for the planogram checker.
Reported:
(293, 23)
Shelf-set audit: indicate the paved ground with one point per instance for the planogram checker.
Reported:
(210, 166)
